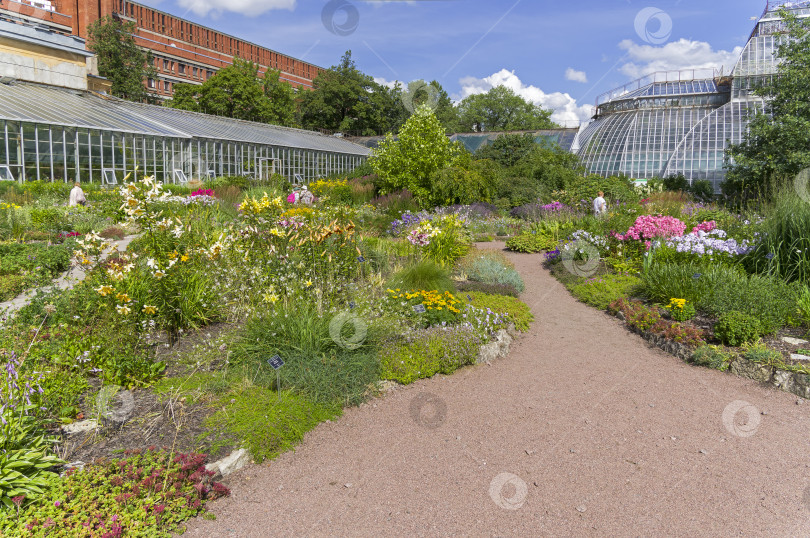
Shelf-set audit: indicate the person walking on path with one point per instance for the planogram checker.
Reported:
(307, 198)
(77, 196)
(600, 205)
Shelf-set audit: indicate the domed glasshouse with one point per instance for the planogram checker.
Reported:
(682, 122)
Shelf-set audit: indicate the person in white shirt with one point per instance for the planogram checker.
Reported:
(600, 205)
(77, 196)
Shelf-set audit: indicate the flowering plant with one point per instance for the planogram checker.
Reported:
(649, 227)
(712, 243)
(422, 235)
(680, 309)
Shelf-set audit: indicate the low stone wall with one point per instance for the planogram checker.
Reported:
(792, 382)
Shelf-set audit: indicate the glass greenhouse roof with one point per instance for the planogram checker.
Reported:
(50, 105)
(674, 88)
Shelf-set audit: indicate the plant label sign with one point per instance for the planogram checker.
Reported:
(419, 308)
(361, 259)
(276, 362)
(352, 305)
(469, 298)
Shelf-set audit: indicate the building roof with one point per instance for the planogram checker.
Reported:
(43, 36)
(37, 103)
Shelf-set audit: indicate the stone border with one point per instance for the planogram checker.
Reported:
(792, 382)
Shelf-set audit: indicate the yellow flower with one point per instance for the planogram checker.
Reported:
(105, 290)
(147, 309)
(123, 297)
(270, 298)
(123, 310)
(309, 283)
(159, 274)
(184, 258)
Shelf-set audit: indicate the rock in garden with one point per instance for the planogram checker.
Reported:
(231, 463)
(794, 341)
(79, 427)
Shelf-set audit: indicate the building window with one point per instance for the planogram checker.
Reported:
(182, 69)
(151, 83)
(195, 72)
(165, 65)
(167, 85)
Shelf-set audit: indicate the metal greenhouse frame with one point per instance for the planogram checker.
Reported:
(56, 134)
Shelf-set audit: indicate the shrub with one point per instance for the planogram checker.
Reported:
(491, 289)
(492, 267)
(760, 353)
(149, 492)
(425, 275)
(426, 352)
(531, 243)
(737, 328)
(601, 291)
(12, 285)
(265, 422)
(677, 332)
(113, 232)
(712, 357)
(516, 311)
(803, 306)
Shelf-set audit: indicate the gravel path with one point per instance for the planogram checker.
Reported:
(581, 430)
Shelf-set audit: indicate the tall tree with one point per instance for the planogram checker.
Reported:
(119, 58)
(501, 109)
(345, 99)
(238, 92)
(281, 96)
(777, 145)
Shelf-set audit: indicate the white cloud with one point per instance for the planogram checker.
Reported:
(576, 76)
(387, 83)
(565, 107)
(245, 7)
(674, 56)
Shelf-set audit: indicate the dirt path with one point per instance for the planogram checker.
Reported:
(601, 435)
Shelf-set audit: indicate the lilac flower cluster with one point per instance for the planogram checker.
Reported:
(407, 220)
(710, 244)
(200, 199)
(12, 398)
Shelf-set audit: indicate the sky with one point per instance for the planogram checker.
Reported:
(559, 54)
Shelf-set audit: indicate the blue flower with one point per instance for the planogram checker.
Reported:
(769, 256)
(696, 276)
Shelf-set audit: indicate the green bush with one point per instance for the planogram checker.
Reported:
(426, 352)
(712, 357)
(516, 310)
(13, 285)
(48, 219)
(316, 365)
(425, 275)
(265, 422)
(492, 267)
(600, 291)
(531, 243)
(737, 328)
(760, 353)
(803, 306)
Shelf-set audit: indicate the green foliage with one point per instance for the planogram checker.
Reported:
(238, 92)
(426, 352)
(803, 306)
(759, 353)
(776, 146)
(492, 267)
(316, 365)
(501, 109)
(717, 289)
(461, 185)
(784, 249)
(516, 310)
(265, 422)
(735, 328)
(638, 315)
(13, 285)
(603, 290)
(120, 60)
(712, 357)
(409, 162)
(424, 275)
(531, 242)
(681, 309)
(616, 189)
(507, 149)
(450, 244)
(146, 494)
(537, 174)
(344, 99)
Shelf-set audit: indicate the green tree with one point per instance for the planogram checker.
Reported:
(501, 109)
(281, 96)
(433, 94)
(421, 150)
(347, 100)
(507, 149)
(238, 92)
(777, 145)
(119, 58)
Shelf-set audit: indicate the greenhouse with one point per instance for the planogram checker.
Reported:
(57, 134)
(682, 122)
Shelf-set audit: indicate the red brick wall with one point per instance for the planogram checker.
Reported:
(197, 52)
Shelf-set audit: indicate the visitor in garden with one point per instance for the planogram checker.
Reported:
(600, 205)
(306, 196)
(294, 196)
(77, 196)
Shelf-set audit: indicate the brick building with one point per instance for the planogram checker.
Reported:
(184, 51)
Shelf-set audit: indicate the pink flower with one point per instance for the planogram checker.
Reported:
(648, 227)
(705, 227)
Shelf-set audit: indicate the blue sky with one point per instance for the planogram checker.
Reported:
(560, 54)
